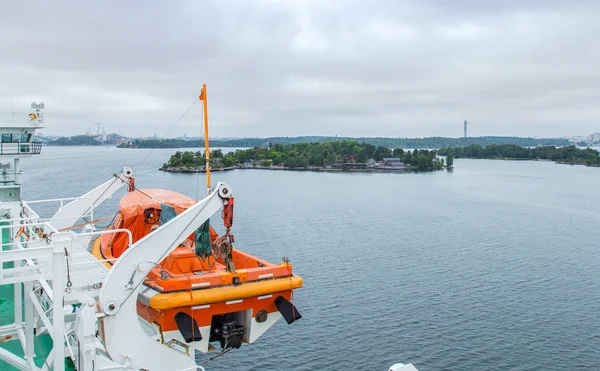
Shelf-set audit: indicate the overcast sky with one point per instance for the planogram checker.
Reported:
(288, 68)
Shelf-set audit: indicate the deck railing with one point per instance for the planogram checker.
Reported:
(21, 148)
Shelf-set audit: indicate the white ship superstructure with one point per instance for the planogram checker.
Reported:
(61, 290)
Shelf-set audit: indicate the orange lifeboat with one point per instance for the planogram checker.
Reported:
(195, 300)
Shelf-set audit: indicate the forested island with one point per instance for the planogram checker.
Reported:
(327, 156)
(565, 155)
(77, 140)
(428, 143)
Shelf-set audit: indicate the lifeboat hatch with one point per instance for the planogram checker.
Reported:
(287, 310)
(226, 329)
(188, 327)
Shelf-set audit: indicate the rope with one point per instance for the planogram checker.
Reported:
(217, 356)
(169, 131)
(112, 238)
(109, 223)
(116, 176)
(145, 194)
(86, 223)
(135, 188)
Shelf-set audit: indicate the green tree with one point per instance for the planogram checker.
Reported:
(317, 160)
(425, 163)
(228, 161)
(312, 154)
(450, 160)
(217, 153)
(398, 152)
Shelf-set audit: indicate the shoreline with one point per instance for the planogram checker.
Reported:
(572, 163)
(313, 169)
(192, 170)
(559, 162)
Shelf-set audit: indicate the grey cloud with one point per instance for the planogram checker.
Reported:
(276, 67)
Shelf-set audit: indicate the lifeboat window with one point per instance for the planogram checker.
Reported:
(151, 215)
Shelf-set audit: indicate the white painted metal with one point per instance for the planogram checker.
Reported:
(402, 367)
(62, 241)
(13, 360)
(255, 329)
(29, 320)
(85, 335)
(40, 267)
(119, 294)
(201, 346)
(86, 272)
(41, 313)
(39, 276)
(68, 215)
(38, 259)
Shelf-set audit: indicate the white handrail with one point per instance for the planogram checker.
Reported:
(22, 254)
(56, 200)
(40, 220)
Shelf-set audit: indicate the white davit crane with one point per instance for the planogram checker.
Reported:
(64, 293)
(101, 329)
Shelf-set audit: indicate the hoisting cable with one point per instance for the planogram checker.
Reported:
(143, 193)
(167, 133)
(116, 176)
(217, 356)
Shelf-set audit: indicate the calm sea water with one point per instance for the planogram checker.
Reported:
(494, 266)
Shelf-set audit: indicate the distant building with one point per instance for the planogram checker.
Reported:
(392, 162)
(351, 158)
(352, 165)
(594, 138)
(465, 124)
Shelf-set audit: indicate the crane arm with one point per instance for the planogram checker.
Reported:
(71, 213)
(125, 339)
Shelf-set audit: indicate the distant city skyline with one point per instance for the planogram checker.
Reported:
(464, 125)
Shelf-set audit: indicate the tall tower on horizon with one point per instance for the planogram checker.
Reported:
(465, 123)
